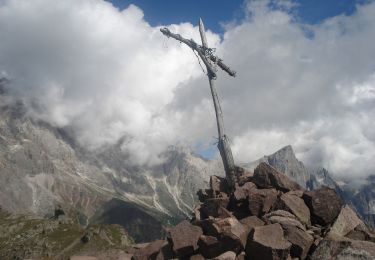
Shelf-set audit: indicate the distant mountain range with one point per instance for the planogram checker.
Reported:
(42, 166)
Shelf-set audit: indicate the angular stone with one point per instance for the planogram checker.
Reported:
(243, 175)
(241, 256)
(285, 222)
(226, 256)
(261, 201)
(324, 204)
(230, 231)
(301, 241)
(267, 242)
(297, 206)
(215, 208)
(242, 192)
(197, 213)
(203, 195)
(343, 248)
(210, 246)
(197, 257)
(265, 176)
(218, 184)
(252, 222)
(150, 251)
(359, 235)
(184, 238)
(280, 213)
(346, 221)
(166, 252)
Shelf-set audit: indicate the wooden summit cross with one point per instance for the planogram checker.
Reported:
(210, 61)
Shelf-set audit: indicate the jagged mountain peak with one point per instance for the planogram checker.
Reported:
(285, 161)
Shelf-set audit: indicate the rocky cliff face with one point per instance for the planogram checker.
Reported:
(41, 166)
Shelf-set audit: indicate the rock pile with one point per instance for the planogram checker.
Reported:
(267, 216)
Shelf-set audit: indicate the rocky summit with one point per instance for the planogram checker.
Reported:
(267, 217)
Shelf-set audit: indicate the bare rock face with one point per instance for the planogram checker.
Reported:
(346, 221)
(268, 243)
(297, 206)
(150, 251)
(324, 204)
(300, 239)
(261, 201)
(184, 238)
(344, 249)
(265, 176)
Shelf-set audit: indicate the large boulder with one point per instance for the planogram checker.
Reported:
(344, 249)
(297, 206)
(261, 201)
(184, 238)
(300, 239)
(265, 176)
(267, 243)
(346, 221)
(324, 204)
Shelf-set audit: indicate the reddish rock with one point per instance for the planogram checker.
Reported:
(346, 221)
(230, 231)
(215, 208)
(300, 239)
(285, 222)
(265, 176)
(243, 175)
(324, 204)
(242, 192)
(184, 238)
(297, 206)
(203, 195)
(218, 184)
(197, 213)
(267, 243)
(150, 251)
(280, 213)
(229, 255)
(252, 222)
(210, 246)
(197, 257)
(166, 252)
(261, 201)
(241, 256)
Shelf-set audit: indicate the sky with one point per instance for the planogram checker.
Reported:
(305, 76)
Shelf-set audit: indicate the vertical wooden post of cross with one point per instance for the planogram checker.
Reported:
(211, 62)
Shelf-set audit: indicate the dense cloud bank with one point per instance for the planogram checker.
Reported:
(108, 74)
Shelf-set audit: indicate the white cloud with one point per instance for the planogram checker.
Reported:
(107, 73)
